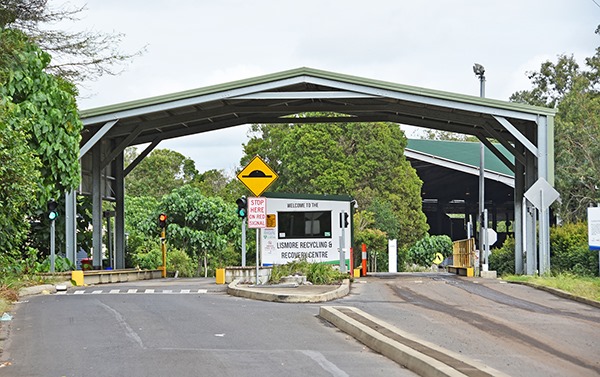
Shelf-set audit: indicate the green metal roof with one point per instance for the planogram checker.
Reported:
(464, 152)
(318, 74)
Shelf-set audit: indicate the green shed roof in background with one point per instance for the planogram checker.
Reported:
(462, 151)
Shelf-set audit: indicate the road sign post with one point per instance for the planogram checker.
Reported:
(257, 176)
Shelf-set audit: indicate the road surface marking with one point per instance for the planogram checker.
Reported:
(325, 364)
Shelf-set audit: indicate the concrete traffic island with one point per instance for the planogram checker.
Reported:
(291, 293)
(421, 357)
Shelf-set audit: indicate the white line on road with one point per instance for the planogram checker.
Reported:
(149, 291)
(78, 292)
(115, 291)
(325, 364)
(131, 290)
(128, 330)
(185, 291)
(96, 292)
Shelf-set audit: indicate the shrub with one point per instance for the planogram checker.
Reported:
(423, 252)
(178, 260)
(502, 260)
(316, 273)
(569, 250)
(147, 256)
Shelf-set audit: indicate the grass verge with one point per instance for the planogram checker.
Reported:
(587, 287)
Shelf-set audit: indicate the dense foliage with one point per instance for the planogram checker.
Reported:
(206, 229)
(159, 173)
(502, 260)
(569, 252)
(424, 251)
(39, 138)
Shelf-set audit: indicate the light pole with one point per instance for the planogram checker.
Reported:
(480, 72)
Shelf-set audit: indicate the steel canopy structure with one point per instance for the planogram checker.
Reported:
(525, 131)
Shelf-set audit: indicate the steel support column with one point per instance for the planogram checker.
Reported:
(120, 212)
(97, 206)
(71, 226)
(518, 215)
(530, 213)
(544, 213)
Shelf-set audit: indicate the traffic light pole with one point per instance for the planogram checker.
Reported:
(244, 242)
(52, 245)
(163, 246)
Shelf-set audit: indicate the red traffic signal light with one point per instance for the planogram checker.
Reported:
(162, 220)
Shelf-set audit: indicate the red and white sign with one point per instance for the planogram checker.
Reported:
(257, 212)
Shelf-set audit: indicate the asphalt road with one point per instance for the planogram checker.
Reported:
(179, 333)
(515, 329)
(192, 328)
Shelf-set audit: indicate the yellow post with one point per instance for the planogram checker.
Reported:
(77, 278)
(163, 240)
(357, 272)
(220, 276)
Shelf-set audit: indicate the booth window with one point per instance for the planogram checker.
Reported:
(304, 224)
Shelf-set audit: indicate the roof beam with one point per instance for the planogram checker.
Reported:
(97, 137)
(496, 152)
(141, 156)
(304, 95)
(519, 136)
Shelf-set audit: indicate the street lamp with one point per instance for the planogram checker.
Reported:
(479, 71)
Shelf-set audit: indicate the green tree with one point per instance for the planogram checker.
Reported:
(18, 183)
(159, 173)
(574, 92)
(40, 124)
(207, 228)
(364, 160)
(216, 183)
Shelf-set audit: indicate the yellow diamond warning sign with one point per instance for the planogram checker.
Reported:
(257, 176)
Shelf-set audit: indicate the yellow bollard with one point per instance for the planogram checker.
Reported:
(77, 278)
(357, 272)
(220, 276)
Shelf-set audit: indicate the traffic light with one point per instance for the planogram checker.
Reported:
(52, 209)
(162, 220)
(242, 209)
(344, 216)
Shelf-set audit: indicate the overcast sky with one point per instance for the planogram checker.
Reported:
(431, 44)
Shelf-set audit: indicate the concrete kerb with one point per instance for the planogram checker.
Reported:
(268, 294)
(559, 293)
(414, 360)
(43, 289)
